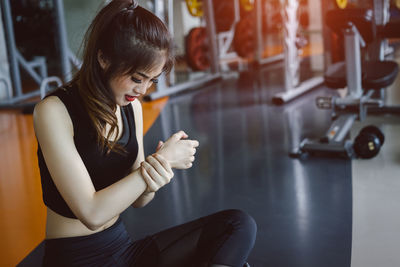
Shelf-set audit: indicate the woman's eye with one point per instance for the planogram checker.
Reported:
(155, 80)
(136, 80)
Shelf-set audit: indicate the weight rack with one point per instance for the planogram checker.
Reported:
(219, 47)
(167, 85)
(293, 87)
(259, 40)
(37, 68)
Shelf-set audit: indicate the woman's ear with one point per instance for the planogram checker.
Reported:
(102, 61)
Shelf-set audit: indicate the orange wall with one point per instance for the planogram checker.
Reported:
(22, 211)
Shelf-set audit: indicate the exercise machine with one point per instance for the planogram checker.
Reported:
(363, 80)
(37, 67)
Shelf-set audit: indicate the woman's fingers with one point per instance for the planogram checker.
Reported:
(160, 167)
(194, 143)
(178, 151)
(178, 136)
(151, 185)
(165, 164)
(189, 165)
(154, 175)
(157, 172)
(160, 144)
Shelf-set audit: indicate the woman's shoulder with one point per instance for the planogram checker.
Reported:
(64, 97)
(50, 117)
(64, 93)
(50, 107)
(53, 101)
(55, 106)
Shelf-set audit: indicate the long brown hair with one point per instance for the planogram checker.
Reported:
(130, 38)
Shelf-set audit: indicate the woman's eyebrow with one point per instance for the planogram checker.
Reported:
(147, 77)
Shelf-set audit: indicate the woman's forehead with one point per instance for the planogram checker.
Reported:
(154, 70)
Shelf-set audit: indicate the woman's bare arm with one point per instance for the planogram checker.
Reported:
(146, 197)
(54, 131)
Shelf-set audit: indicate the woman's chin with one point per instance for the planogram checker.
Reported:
(123, 102)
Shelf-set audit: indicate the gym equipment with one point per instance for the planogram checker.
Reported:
(170, 84)
(247, 5)
(220, 44)
(34, 29)
(342, 4)
(368, 142)
(224, 14)
(372, 129)
(246, 8)
(36, 68)
(265, 21)
(197, 49)
(244, 42)
(363, 80)
(226, 55)
(304, 19)
(195, 7)
(293, 87)
(336, 48)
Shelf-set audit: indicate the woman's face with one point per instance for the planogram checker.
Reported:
(126, 88)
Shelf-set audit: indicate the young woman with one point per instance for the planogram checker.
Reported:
(92, 162)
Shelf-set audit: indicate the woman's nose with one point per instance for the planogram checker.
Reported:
(141, 89)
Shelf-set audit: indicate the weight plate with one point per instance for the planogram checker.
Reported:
(247, 5)
(366, 145)
(224, 14)
(197, 49)
(244, 42)
(374, 130)
(342, 4)
(195, 7)
(304, 19)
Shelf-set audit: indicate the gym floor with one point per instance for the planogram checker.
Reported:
(312, 212)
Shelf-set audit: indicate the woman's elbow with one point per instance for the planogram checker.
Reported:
(138, 205)
(90, 220)
(90, 223)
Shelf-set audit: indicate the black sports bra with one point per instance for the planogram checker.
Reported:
(104, 169)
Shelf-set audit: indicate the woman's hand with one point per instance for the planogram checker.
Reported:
(177, 151)
(156, 172)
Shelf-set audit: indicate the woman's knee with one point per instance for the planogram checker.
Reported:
(242, 221)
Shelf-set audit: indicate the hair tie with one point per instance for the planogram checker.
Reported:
(133, 6)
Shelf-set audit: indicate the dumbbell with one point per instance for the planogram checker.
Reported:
(368, 142)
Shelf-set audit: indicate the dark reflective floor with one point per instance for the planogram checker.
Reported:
(302, 208)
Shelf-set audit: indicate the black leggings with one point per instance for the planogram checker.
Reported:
(225, 237)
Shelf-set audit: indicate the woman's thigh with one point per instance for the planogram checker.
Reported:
(225, 237)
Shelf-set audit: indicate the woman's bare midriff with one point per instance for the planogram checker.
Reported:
(58, 226)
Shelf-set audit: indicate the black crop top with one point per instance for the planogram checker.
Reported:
(104, 169)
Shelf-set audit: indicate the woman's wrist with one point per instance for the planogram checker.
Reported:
(147, 191)
(148, 194)
(171, 164)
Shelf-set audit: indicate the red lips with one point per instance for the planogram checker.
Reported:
(130, 98)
